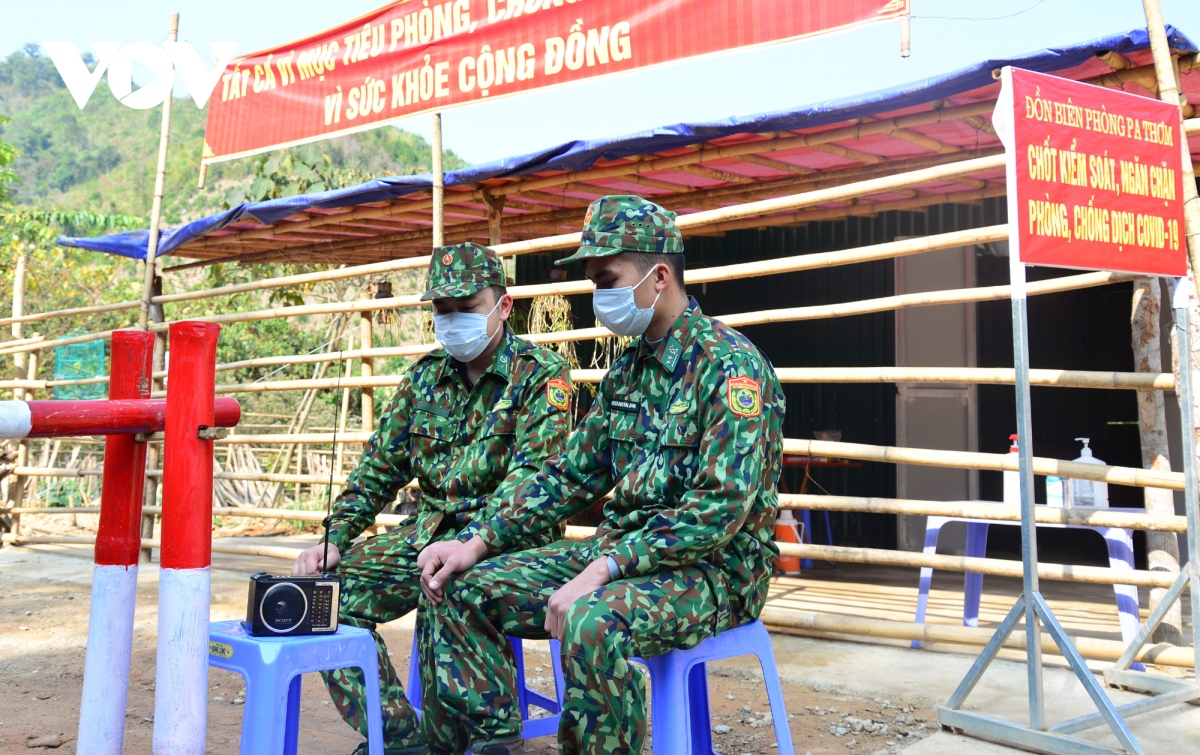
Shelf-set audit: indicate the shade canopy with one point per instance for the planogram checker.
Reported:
(686, 167)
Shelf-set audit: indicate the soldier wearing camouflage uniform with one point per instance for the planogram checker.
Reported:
(686, 431)
(467, 442)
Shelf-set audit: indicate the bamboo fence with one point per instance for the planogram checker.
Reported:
(807, 196)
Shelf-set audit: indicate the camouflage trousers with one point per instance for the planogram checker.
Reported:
(468, 671)
(380, 583)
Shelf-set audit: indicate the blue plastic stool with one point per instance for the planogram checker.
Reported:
(530, 727)
(679, 701)
(272, 668)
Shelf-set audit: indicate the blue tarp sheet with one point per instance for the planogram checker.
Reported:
(578, 155)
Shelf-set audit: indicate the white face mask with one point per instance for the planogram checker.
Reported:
(463, 334)
(617, 310)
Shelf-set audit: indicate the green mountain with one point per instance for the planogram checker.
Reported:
(102, 159)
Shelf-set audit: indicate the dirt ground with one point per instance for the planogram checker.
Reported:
(43, 630)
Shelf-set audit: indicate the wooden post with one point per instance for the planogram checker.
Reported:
(16, 486)
(154, 451)
(16, 483)
(368, 370)
(342, 419)
(1162, 547)
(18, 309)
(160, 176)
(1166, 73)
(439, 184)
(151, 286)
(495, 207)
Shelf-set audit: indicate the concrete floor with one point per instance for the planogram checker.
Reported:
(883, 670)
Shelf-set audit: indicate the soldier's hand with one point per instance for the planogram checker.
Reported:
(312, 560)
(585, 583)
(442, 560)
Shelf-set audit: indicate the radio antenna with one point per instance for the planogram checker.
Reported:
(337, 405)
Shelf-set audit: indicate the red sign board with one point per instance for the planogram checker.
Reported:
(417, 56)
(1095, 176)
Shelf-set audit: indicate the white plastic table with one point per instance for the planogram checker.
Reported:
(1120, 556)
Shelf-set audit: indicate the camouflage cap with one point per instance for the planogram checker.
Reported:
(625, 223)
(462, 270)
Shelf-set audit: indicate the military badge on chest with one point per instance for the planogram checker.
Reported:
(744, 397)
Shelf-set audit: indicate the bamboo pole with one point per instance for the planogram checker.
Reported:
(796, 263)
(18, 310)
(819, 312)
(954, 375)
(439, 184)
(1168, 91)
(296, 439)
(76, 312)
(368, 371)
(1140, 381)
(828, 626)
(989, 566)
(16, 485)
(154, 451)
(1133, 476)
(342, 422)
(1162, 548)
(225, 513)
(229, 545)
(985, 510)
(997, 512)
(793, 314)
(888, 454)
(160, 176)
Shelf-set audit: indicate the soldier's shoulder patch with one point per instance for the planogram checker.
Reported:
(558, 393)
(744, 397)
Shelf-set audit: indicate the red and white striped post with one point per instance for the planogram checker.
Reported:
(114, 577)
(181, 691)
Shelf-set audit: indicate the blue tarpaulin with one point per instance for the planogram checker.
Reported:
(579, 155)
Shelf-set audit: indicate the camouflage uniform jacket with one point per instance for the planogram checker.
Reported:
(467, 447)
(688, 436)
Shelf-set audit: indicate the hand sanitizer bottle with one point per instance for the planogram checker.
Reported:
(1012, 480)
(1085, 494)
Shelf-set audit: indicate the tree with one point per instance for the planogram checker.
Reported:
(8, 155)
(288, 172)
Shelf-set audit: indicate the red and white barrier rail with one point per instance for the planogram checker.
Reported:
(181, 681)
(114, 577)
(60, 419)
(190, 409)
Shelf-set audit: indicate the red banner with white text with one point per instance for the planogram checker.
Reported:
(1095, 177)
(417, 56)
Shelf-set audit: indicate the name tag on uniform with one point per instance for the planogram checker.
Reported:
(425, 406)
(625, 406)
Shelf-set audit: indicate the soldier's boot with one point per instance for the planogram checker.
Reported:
(514, 746)
(363, 749)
